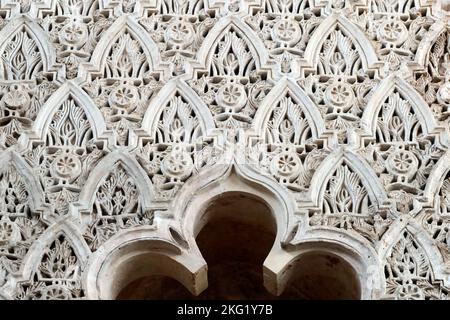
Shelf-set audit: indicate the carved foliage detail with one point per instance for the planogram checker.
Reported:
(397, 121)
(21, 59)
(409, 274)
(233, 86)
(232, 54)
(346, 204)
(19, 225)
(116, 206)
(58, 276)
(63, 161)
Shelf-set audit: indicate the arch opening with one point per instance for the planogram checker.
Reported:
(234, 234)
(154, 287)
(322, 275)
(149, 276)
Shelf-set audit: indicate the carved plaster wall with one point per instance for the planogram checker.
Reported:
(121, 120)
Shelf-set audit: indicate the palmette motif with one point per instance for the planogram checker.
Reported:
(113, 111)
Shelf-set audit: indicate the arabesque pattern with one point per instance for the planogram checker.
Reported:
(108, 109)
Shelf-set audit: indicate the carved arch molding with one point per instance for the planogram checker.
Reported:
(121, 120)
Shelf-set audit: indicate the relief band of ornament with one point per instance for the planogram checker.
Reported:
(114, 115)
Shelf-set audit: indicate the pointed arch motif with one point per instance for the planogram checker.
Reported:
(402, 101)
(339, 71)
(236, 35)
(122, 123)
(118, 195)
(233, 74)
(35, 191)
(348, 195)
(125, 68)
(183, 138)
(65, 141)
(105, 166)
(344, 34)
(354, 163)
(71, 106)
(54, 266)
(21, 213)
(25, 50)
(288, 141)
(125, 51)
(409, 271)
(285, 30)
(424, 55)
(177, 97)
(292, 94)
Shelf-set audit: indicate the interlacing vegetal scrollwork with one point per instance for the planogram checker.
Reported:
(347, 204)
(21, 58)
(403, 155)
(409, 274)
(19, 106)
(20, 224)
(397, 27)
(74, 33)
(179, 148)
(57, 276)
(116, 206)
(179, 33)
(112, 113)
(288, 151)
(24, 84)
(285, 27)
(234, 83)
(339, 81)
(65, 155)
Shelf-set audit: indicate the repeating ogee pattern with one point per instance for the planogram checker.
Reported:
(110, 111)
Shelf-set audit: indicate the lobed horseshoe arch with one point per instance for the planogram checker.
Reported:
(288, 253)
(137, 254)
(363, 272)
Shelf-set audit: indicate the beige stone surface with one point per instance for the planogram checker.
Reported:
(200, 149)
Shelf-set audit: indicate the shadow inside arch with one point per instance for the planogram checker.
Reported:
(235, 233)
